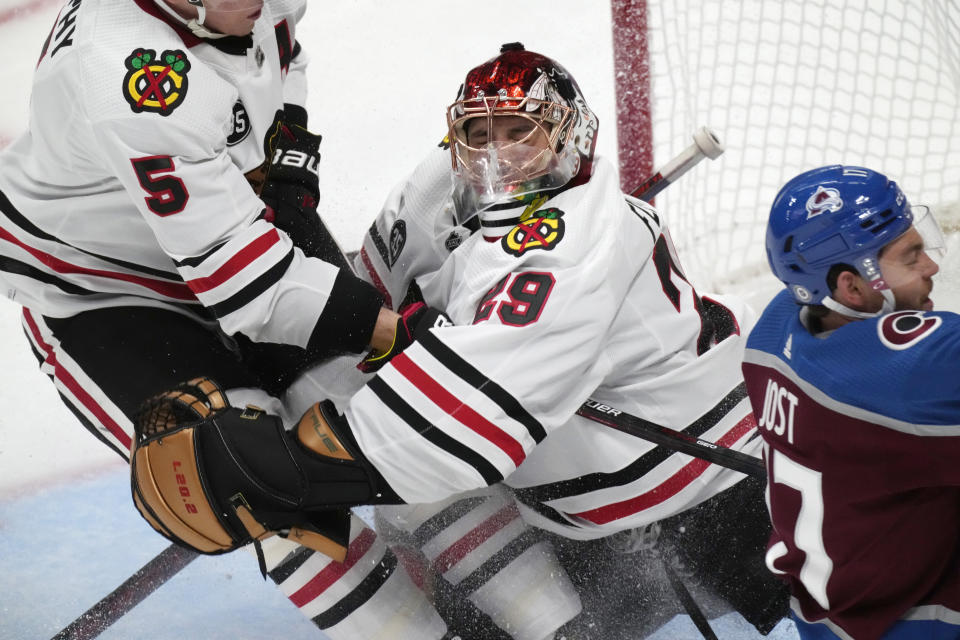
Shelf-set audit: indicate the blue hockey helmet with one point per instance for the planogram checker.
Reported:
(833, 215)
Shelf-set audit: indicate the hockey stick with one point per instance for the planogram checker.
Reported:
(676, 440)
(682, 443)
(128, 595)
(697, 616)
(705, 145)
(166, 564)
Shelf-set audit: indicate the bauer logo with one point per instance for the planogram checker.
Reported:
(823, 200)
(540, 230)
(155, 85)
(602, 408)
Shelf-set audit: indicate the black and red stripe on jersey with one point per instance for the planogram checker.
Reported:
(48, 260)
(468, 419)
(646, 468)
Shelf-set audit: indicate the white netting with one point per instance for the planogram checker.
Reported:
(791, 85)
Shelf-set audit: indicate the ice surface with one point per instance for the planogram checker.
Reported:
(381, 76)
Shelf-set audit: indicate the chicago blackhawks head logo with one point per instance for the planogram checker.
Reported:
(157, 85)
(537, 230)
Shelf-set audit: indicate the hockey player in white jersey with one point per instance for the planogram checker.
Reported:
(158, 220)
(559, 288)
(416, 242)
(568, 290)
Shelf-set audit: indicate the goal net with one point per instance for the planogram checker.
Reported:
(791, 85)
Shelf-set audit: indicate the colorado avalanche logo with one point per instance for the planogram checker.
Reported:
(903, 329)
(822, 201)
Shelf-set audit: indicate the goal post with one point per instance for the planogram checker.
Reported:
(632, 88)
(788, 86)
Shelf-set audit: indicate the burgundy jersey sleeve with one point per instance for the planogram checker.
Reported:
(865, 507)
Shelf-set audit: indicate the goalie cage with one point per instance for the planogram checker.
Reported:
(789, 86)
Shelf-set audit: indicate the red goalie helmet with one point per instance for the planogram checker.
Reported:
(519, 126)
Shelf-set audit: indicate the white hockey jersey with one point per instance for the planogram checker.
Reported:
(576, 297)
(129, 187)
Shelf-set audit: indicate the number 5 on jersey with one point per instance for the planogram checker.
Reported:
(168, 194)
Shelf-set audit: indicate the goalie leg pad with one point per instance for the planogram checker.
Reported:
(215, 478)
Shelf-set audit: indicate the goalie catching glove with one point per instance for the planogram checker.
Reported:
(214, 478)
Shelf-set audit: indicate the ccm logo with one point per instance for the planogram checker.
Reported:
(183, 488)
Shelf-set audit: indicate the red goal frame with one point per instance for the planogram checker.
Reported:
(631, 66)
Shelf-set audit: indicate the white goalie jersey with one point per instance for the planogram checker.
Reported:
(582, 298)
(129, 187)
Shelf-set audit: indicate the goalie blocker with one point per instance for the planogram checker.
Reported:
(214, 478)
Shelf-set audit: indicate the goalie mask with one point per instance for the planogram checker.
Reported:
(519, 127)
(844, 215)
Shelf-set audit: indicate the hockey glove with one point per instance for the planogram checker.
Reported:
(415, 319)
(291, 191)
(214, 478)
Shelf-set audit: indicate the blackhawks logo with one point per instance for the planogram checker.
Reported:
(153, 84)
(537, 230)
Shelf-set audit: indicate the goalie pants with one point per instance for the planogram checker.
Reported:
(716, 550)
(105, 363)
(488, 571)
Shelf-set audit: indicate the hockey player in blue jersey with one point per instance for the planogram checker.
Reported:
(853, 380)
